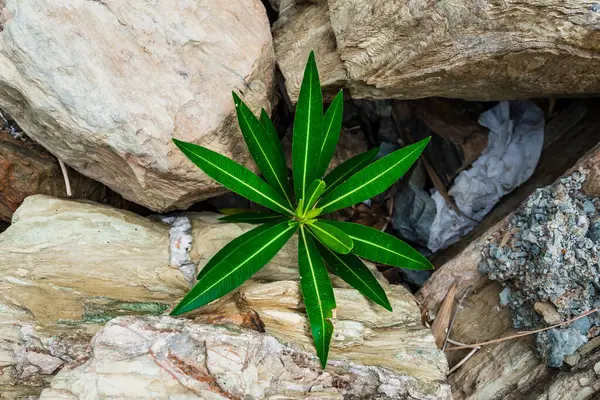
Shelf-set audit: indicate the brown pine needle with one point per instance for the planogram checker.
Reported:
(521, 334)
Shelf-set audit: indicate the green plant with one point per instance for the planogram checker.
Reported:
(337, 244)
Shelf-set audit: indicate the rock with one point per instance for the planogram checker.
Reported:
(517, 371)
(546, 310)
(400, 49)
(186, 360)
(93, 261)
(136, 266)
(27, 169)
(547, 254)
(556, 344)
(300, 29)
(106, 91)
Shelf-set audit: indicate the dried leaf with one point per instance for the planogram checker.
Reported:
(442, 318)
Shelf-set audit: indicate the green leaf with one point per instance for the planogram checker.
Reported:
(332, 125)
(239, 265)
(356, 274)
(253, 217)
(300, 209)
(317, 293)
(264, 149)
(374, 179)
(345, 170)
(310, 214)
(331, 236)
(266, 122)
(377, 246)
(308, 129)
(231, 211)
(314, 192)
(234, 176)
(232, 246)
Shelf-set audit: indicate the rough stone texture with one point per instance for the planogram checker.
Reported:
(510, 369)
(68, 267)
(415, 49)
(549, 252)
(300, 29)
(86, 258)
(271, 301)
(169, 358)
(27, 169)
(105, 85)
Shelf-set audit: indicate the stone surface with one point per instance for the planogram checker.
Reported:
(301, 28)
(169, 358)
(91, 260)
(105, 85)
(510, 369)
(69, 267)
(27, 169)
(416, 49)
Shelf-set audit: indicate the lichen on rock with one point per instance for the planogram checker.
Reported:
(549, 254)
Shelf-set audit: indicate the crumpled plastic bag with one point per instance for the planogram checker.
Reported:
(513, 151)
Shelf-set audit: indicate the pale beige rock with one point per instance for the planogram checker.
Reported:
(84, 257)
(68, 267)
(548, 311)
(300, 29)
(184, 360)
(105, 85)
(469, 49)
(271, 301)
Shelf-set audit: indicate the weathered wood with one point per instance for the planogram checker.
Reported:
(509, 369)
(457, 48)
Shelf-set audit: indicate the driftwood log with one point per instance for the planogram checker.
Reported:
(509, 369)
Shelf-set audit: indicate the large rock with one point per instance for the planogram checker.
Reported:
(68, 267)
(105, 85)
(168, 358)
(456, 48)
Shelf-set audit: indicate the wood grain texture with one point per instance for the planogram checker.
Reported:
(69, 267)
(472, 49)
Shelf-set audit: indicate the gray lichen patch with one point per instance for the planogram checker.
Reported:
(549, 253)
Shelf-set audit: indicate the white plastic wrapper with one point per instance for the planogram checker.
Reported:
(513, 150)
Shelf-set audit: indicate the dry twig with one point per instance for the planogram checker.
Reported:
(65, 174)
(521, 334)
(439, 328)
(464, 360)
(454, 316)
